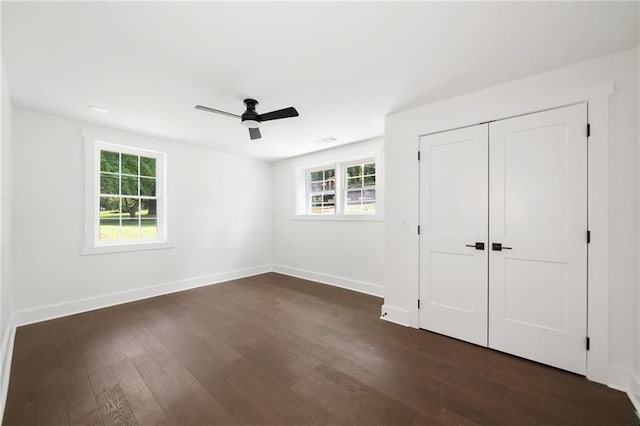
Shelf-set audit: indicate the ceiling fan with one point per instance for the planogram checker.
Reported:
(251, 118)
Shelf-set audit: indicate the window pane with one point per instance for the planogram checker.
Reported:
(109, 184)
(149, 228)
(370, 180)
(354, 171)
(109, 161)
(109, 228)
(316, 176)
(369, 195)
(130, 208)
(147, 166)
(109, 207)
(328, 174)
(129, 185)
(130, 229)
(109, 218)
(329, 198)
(370, 169)
(369, 208)
(130, 164)
(148, 186)
(149, 208)
(316, 198)
(354, 183)
(317, 186)
(361, 208)
(328, 208)
(316, 208)
(330, 185)
(353, 208)
(354, 196)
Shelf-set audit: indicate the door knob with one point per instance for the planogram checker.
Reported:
(477, 245)
(499, 247)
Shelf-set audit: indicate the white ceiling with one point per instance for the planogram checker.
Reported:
(344, 66)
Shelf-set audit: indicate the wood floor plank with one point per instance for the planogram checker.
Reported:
(50, 406)
(277, 350)
(143, 404)
(114, 406)
(82, 406)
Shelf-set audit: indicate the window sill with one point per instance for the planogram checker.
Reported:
(339, 217)
(88, 251)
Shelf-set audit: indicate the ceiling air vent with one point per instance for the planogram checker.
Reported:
(325, 140)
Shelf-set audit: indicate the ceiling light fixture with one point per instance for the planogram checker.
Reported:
(98, 109)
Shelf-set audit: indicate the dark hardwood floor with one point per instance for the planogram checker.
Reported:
(276, 350)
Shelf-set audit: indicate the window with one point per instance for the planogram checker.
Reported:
(125, 199)
(342, 189)
(360, 188)
(128, 205)
(322, 191)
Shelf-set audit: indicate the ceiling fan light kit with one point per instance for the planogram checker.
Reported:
(251, 118)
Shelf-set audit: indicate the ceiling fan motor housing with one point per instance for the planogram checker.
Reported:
(250, 117)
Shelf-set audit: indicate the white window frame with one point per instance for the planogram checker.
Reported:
(309, 192)
(92, 242)
(340, 173)
(344, 189)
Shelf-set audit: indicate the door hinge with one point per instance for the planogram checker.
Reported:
(418, 229)
(418, 303)
(418, 155)
(588, 345)
(588, 129)
(588, 237)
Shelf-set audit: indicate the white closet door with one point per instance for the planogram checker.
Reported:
(453, 216)
(538, 212)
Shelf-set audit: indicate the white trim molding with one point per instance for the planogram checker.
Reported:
(624, 380)
(634, 392)
(619, 378)
(395, 315)
(342, 282)
(43, 313)
(6, 354)
(93, 145)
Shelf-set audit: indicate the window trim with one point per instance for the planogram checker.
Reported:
(92, 244)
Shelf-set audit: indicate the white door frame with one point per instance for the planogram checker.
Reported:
(597, 99)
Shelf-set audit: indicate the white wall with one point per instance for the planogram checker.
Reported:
(5, 208)
(345, 253)
(222, 221)
(6, 329)
(636, 382)
(403, 128)
(6, 304)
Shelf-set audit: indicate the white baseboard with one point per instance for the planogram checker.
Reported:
(348, 283)
(396, 315)
(619, 378)
(43, 313)
(634, 393)
(623, 379)
(6, 354)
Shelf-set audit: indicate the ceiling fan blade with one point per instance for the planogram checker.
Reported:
(254, 133)
(281, 113)
(216, 111)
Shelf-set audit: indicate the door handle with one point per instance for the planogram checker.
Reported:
(477, 246)
(499, 247)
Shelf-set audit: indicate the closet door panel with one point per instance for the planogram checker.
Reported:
(453, 217)
(538, 213)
